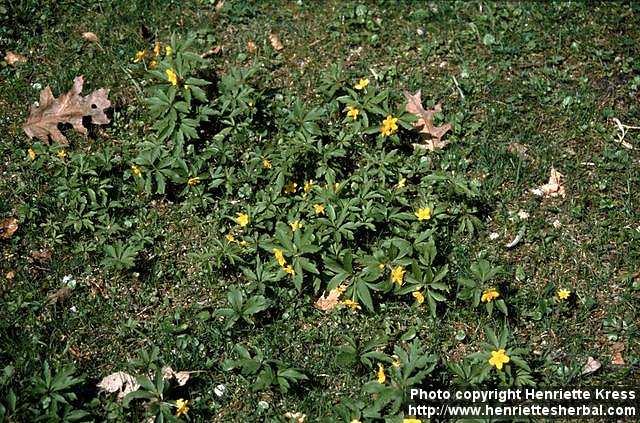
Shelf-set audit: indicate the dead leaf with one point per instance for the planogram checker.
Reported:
(90, 37)
(215, 50)
(59, 296)
(591, 366)
(432, 134)
(219, 6)
(10, 275)
(251, 47)
(553, 188)
(329, 302)
(68, 108)
(181, 377)
(12, 58)
(41, 256)
(120, 382)
(616, 349)
(8, 227)
(297, 417)
(275, 41)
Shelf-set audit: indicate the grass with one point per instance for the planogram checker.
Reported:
(550, 77)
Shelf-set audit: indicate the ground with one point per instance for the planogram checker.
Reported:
(527, 87)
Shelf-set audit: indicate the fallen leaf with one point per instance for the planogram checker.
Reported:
(431, 133)
(251, 47)
(90, 37)
(616, 349)
(181, 377)
(215, 50)
(553, 188)
(12, 58)
(59, 296)
(219, 6)
(8, 227)
(68, 108)
(591, 366)
(275, 41)
(120, 382)
(42, 256)
(10, 275)
(329, 302)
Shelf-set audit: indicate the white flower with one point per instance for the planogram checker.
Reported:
(219, 390)
(523, 215)
(493, 235)
(69, 281)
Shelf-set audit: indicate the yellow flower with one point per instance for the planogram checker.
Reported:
(230, 237)
(389, 126)
(423, 213)
(362, 84)
(140, 56)
(62, 154)
(289, 269)
(182, 407)
(351, 304)
(243, 243)
(242, 219)
(353, 112)
(498, 358)
(168, 50)
(401, 183)
(308, 186)
(153, 64)
(193, 181)
(295, 225)
(396, 362)
(418, 296)
(563, 294)
(290, 188)
(318, 208)
(266, 163)
(381, 376)
(278, 253)
(397, 275)
(157, 48)
(172, 76)
(135, 170)
(411, 421)
(489, 295)
(355, 421)
(381, 266)
(32, 154)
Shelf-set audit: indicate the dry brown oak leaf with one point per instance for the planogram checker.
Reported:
(433, 134)
(68, 108)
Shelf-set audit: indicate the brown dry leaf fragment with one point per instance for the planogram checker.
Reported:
(90, 37)
(553, 188)
(215, 50)
(329, 302)
(181, 377)
(432, 134)
(59, 296)
(616, 349)
(12, 58)
(8, 227)
(41, 256)
(251, 47)
(120, 382)
(219, 6)
(10, 275)
(68, 108)
(591, 366)
(275, 41)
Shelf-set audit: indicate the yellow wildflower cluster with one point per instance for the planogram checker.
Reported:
(154, 54)
(389, 126)
(489, 295)
(242, 219)
(423, 213)
(279, 255)
(397, 275)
